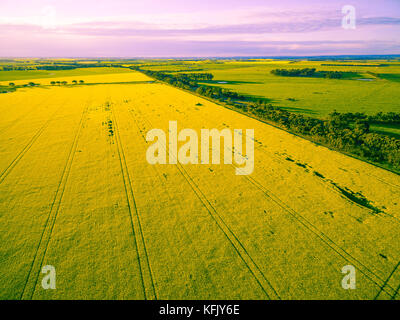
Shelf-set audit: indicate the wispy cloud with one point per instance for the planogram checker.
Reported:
(115, 29)
(258, 30)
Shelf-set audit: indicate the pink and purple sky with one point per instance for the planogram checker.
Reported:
(188, 28)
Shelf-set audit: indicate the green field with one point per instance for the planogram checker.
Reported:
(373, 87)
(313, 96)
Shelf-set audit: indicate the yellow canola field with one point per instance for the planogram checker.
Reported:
(77, 193)
(104, 78)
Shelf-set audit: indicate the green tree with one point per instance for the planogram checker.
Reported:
(361, 127)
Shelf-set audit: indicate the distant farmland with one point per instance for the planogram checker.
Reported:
(310, 96)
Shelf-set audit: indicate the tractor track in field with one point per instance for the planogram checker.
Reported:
(396, 293)
(262, 149)
(27, 147)
(383, 181)
(393, 296)
(311, 227)
(331, 186)
(377, 280)
(322, 236)
(161, 180)
(16, 121)
(233, 239)
(322, 182)
(54, 210)
(146, 273)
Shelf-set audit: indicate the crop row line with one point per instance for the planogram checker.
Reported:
(44, 241)
(252, 266)
(143, 258)
(331, 187)
(15, 161)
(23, 116)
(323, 237)
(386, 284)
(282, 204)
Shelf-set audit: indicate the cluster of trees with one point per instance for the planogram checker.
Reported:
(13, 87)
(56, 67)
(4, 89)
(220, 94)
(75, 65)
(53, 83)
(348, 132)
(16, 68)
(388, 118)
(184, 83)
(52, 67)
(378, 118)
(336, 131)
(30, 84)
(307, 72)
(189, 82)
(195, 76)
(354, 65)
(332, 74)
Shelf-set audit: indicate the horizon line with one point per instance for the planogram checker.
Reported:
(202, 57)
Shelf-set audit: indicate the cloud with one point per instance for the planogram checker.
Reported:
(246, 32)
(137, 28)
(379, 21)
(118, 47)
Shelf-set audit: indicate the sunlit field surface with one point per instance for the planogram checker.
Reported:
(89, 75)
(373, 87)
(77, 193)
(365, 91)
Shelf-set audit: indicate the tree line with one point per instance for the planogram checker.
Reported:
(53, 83)
(337, 132)
(12, 86)
(378, 118)
(189, 82)
(195, 76)
(54, 67)
(347, 132)
(308, 72)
